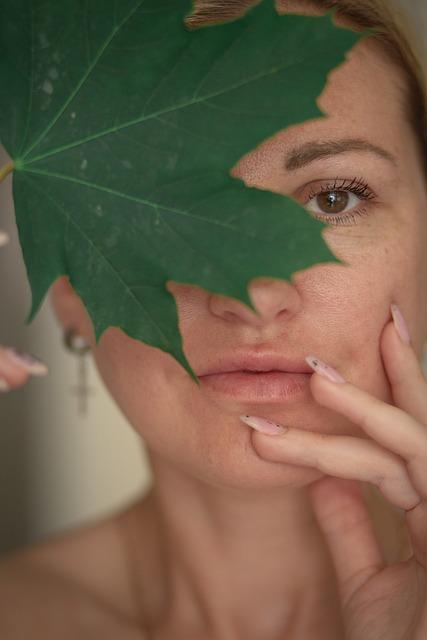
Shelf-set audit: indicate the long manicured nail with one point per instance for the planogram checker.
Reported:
(324, 369)
(263, 425)
(400, 324)
(4, 238)
(33, 365)
(4, 386)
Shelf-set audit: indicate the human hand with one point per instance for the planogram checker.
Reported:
(377, 601)
(15, 366)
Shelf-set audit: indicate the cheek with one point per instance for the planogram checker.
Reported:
(136, 374)
(344, 310)
(347, 308)
(403, 269)
(386, 263)
(389, 253)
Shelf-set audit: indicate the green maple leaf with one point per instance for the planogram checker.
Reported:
(123, 125)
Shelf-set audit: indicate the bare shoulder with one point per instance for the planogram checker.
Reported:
(71, 585)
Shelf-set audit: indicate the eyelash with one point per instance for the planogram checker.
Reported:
(357, 186)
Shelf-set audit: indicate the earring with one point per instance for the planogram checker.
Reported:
(78, 345)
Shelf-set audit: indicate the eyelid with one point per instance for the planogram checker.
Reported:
(337, 183)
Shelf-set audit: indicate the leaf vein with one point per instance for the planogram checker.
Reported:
(219, 59)
(30, 90)
(82, 80)
(179, 235)
(138, 120)
(163, 80)
(87, 39)
(126, 196)
(198, 136)
(93, 247)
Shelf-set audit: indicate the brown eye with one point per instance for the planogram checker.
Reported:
(333, 202)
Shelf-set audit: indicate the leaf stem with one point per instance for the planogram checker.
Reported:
(4, 171)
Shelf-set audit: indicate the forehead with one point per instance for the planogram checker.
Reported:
(366, 85)
(363, 97)
(367, 68)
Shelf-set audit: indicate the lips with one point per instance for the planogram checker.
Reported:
(257, 378)
(256, 362)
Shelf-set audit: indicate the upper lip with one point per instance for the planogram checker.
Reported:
(256, 362)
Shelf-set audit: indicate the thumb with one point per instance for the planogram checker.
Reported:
(344, 519)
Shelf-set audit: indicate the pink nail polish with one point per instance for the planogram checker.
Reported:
(324, 369)
(400, 324)
(32, 364)
(263, 425)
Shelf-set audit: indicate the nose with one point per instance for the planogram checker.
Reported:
(270, 297)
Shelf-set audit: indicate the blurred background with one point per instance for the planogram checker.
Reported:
(59, 470)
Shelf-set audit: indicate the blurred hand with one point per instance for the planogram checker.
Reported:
(16, 366)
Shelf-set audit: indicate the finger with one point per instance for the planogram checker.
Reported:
(404, 370)
(27, 361)
(11, 374)
(4, 238)
(340, 456)
(16, 367)
(344, 519)
(389, 426)
(416, 520)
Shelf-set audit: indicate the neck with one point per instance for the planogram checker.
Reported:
(227, 564)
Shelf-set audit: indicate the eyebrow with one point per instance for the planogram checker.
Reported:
(310, 151)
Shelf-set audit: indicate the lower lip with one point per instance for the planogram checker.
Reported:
(270, 386)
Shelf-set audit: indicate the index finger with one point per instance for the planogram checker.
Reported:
(405, 373)
(388, 425)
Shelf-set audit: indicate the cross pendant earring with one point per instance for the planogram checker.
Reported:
(79, 345)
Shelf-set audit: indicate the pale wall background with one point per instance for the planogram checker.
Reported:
(57, 469)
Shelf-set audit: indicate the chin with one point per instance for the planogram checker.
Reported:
(230, 462)
(263, 475)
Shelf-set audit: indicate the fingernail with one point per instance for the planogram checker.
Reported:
(263, 425)
(400, 324)
(4, 238)
(4, 385)
(32, 364)
(324, 369)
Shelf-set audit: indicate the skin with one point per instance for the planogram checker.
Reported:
(249, 535)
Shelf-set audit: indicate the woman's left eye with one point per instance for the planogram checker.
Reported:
(336, 202)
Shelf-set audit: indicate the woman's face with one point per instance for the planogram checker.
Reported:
(334, 311)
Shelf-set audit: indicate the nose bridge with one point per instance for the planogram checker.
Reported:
(269, 296)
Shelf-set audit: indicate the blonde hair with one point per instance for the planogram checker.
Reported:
(394, 32)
